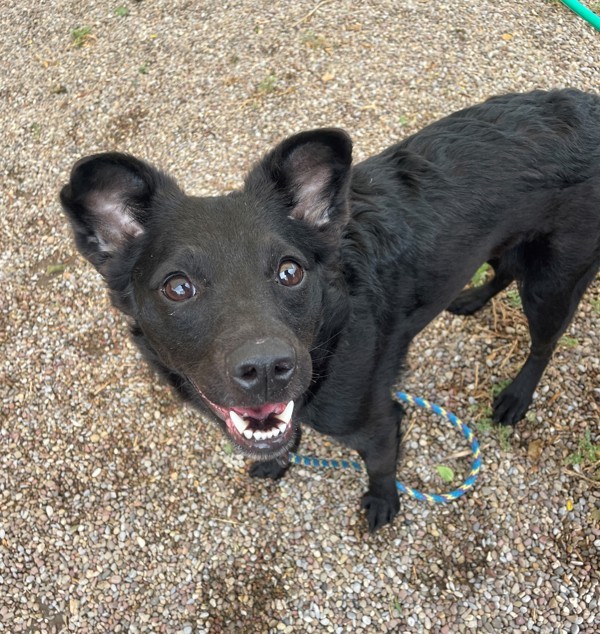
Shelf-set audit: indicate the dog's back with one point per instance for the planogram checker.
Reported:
(481, 182)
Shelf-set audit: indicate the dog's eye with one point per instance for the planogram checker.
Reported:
(290, 273)
(178, 288)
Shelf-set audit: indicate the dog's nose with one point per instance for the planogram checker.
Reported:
(263, 368)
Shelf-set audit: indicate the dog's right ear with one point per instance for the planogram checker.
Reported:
(108, 200)
(311, 170)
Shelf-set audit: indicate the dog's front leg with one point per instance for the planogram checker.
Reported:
(272, 469)
(277, 467)
(379, 445)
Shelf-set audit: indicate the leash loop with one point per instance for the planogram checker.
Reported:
(439, 498)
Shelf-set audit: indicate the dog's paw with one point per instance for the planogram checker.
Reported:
(272, 469)
(468, 302)
(380, 511)
(510, 406)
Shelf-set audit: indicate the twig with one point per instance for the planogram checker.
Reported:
(220, 519)
(459, 454)
(555, 397)
(312, 12)
(100, 389)
(406, 434)
(594, 483)
(257, 97)
(508, 356)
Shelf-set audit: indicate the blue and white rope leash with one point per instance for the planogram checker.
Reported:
(442, 498)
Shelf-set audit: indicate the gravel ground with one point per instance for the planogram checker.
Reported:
(121, 510)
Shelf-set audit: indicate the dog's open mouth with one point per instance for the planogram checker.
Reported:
(265, 429)
(261, 423)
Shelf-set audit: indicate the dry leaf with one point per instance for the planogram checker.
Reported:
(534, 450)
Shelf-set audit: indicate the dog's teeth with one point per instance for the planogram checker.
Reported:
(240, 424)
(286, 415)
(243, 425)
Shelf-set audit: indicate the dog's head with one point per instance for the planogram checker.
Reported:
(236, 296)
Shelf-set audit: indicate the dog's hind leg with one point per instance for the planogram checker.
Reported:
(471, 300)
(549, 302)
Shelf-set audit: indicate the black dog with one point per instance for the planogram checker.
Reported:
(296, 298)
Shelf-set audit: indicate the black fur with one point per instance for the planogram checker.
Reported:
(385, 246)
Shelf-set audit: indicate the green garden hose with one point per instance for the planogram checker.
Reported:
(583, 12)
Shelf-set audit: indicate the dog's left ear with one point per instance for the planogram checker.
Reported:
(108, 200)
(312, 170)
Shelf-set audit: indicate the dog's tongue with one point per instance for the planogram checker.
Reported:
(260, 413)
